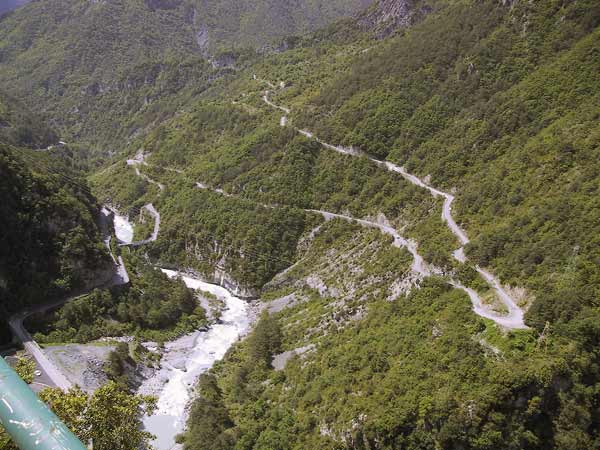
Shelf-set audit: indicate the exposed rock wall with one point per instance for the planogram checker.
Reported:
(386, 16)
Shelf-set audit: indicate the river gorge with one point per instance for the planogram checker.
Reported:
(186, 358)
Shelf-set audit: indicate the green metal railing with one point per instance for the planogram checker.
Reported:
(27, 420)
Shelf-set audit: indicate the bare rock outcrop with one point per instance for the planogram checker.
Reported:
(386, 16)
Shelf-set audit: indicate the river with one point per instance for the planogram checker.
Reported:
(123, 228)
(185, 359)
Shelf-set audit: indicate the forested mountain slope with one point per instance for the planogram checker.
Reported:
(497, 103)
(282, 179)
(417, 102)
(105, 71)
(50, 242)
(500, 114)
(97, 69)
(226, 24)
(19, 127)
(50, 239)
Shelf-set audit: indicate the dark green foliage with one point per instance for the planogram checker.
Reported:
(120, 365)
(412, 376)
(21, 128)
(153, 306)
(500, 103)
(225, 147)
(106, 71)
(208, 231)
(101, 70)
(245, 23)
(211, 418)
(495, 101)
(265, 341)
(50, 243)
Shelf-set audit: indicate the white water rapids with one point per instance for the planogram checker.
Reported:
(123, 229)
(185, 359)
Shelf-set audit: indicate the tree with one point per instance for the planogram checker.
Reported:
(266, 339)
(113, 418)
(25, 367)
(110, 418)
(210, 417)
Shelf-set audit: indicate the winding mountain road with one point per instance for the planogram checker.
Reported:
(515, 317)
(16, 326)
(419, 266)
(135, 163)
(154, 236)
(119, 277)
(140, 161)
(268, 102)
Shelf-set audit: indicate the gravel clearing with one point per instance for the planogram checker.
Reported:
(82, 364)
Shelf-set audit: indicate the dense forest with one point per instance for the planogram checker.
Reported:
(151, 306)
(497, 103)
(264, 24)
(92, 54)
(50, 243)
(489, 104)
(19, 127)
(504, 119)
(106, 71)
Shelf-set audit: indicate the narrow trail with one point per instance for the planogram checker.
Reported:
(515, 317)
(135, 163)
(139, 160)
(419, 266)
(154, 236)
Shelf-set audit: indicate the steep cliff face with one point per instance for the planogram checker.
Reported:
(388, 15)
(50, 242)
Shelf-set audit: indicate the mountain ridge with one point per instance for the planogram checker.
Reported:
(105, 71)
(386, 16)
(386, 188)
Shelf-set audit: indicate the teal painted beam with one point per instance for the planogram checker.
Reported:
(28, 421)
